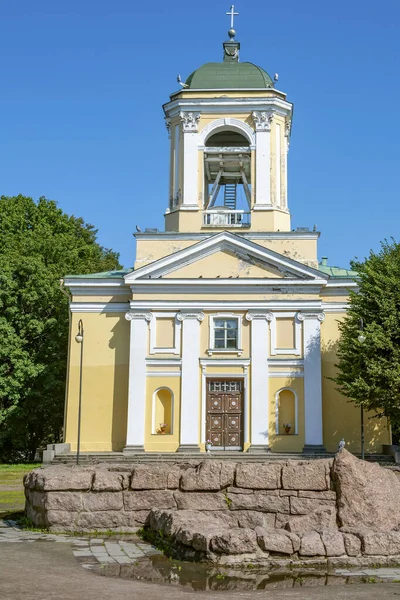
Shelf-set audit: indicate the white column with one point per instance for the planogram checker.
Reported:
(312, 380)
(259, 401)
(190, 381)
(137, 380)
(262, 121)
(190, 159)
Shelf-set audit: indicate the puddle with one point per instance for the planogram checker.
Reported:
(202, 576)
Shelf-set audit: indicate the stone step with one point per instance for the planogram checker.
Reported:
(88, 458)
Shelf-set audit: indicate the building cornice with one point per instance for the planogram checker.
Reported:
(226, 105)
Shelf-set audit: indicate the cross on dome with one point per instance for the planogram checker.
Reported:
(232, 15)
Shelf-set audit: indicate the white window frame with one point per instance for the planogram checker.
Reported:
(296, 351)
(176, 348)
(211, 344)
(296, 410)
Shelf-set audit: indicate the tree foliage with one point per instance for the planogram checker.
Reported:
(369, 372)
(39, 244)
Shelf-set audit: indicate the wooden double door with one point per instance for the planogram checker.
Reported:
(224, 424)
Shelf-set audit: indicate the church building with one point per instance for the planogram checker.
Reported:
(224, 332)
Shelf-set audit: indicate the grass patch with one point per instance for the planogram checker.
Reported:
(12, 497)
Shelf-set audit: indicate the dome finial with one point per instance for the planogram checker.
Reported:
(232, 15)
(231, 47)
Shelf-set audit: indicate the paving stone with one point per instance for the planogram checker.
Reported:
(82, 553)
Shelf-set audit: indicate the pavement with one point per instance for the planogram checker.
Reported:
(47, 566)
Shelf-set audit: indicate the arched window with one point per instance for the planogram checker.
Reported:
(227, 177)
(286, 412)
(163, 411)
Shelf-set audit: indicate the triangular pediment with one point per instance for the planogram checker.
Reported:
(225, 264)
(224, 256)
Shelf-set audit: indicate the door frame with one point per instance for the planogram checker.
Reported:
(244, 364)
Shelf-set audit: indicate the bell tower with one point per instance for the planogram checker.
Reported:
(230, 130)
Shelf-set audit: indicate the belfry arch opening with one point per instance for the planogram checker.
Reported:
(227, 172)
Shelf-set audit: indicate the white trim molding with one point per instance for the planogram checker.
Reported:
(297, 334)
(176, 348)
(228, 123)
(296, 409)
(99, 307)
(286, 374)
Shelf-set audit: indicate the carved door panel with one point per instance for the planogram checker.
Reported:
(224, 426)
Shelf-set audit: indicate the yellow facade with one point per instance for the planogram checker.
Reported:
(227, 326)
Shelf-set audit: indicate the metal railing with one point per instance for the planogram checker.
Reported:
(220, 217)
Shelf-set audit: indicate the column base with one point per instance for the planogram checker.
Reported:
(258, 449)
(190, 448)
(133, 450)
(314, 449)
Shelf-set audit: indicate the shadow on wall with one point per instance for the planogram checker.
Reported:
(341, 417)
(119, 342)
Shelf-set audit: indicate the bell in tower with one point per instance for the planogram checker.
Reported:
(227, 170)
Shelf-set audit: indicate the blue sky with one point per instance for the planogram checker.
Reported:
(83, 81)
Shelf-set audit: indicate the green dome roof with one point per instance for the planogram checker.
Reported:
(229, 75)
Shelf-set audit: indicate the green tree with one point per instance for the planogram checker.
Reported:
(39, 244)
(369, 371)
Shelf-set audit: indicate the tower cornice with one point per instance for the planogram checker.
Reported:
(226, 105)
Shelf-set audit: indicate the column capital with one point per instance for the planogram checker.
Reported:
(190, 121)
(262, 120)
(168, 126)
(200, 316)
(301, 316)
(131, 315)
(267, 316)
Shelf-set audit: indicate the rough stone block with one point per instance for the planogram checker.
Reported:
(108, 481)
(253, 519)
(38, 518)
(275, 540)
(288, 493)
(61, 519)
(368, 495)
(34, 479)
(64, 501)
(208, 476)
(87, 521)
(328, 495)
(149, 477)
(101, 501)
(304, 506)
(258, 501)
(352, 544)
(321, 519)
(333, 542)
(201, 501)
(141, 516)
(264, 476)
(314, 475)
(146, 500)
(234, 541)
(61, 478)
(381, 543)
(36, 499)
(311, 545)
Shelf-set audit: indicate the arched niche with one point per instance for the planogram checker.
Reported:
(286, 411)
(163, 410)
